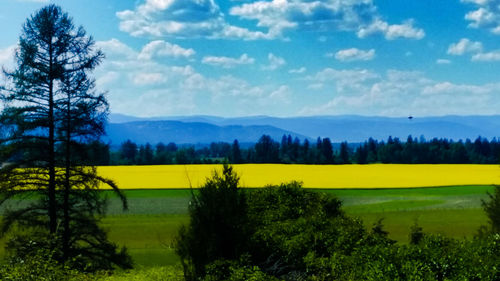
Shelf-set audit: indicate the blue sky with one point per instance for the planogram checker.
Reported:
(287, 58)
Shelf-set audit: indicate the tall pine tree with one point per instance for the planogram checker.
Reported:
(51, 113)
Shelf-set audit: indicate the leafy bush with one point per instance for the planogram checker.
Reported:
(24, 245)
(289, 233)
(492, 209)
(39, 266)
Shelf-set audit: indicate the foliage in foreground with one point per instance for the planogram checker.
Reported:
(492, 209)
(294, 234)
(218, 214)
(41, 266)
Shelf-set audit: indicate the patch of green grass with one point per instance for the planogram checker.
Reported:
(395, 205)
(457, 223)
(147, 237)
(156, 193)
(422, 191)
(160, 273)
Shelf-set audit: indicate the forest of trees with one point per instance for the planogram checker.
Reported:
(293, 151)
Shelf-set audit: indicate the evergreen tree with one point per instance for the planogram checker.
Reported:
(344, 153)
(267, 150)
(492, 209)
(218, 226)
(51, 115)
(327, 151)
(128, 151)
(236, 153)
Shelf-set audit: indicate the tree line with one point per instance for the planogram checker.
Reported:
(294, 151)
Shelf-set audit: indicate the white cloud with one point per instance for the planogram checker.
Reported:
(107, 78)
(398, 93)
(182, 18)
(330, 74)
(7, 56)
(275, 62)
(355, 15)
(392, 31)
(476, 48)
(146, 78)
(297, 70)
(489, 56)
(153, 87)
(486, 15)
(354, 54)
(36, 1)
(160, 48)
(203, 18)
(227, 62)
(281, 94)
(464, 46)
(114, 48)
(315, 86)
(443, 61)
(455, 89)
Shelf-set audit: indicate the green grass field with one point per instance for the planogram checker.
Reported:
(150, 224)
(154, 216)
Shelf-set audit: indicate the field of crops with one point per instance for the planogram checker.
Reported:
(312, 176)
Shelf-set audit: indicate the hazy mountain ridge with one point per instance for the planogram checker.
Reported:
(351, 128)
(188, 132)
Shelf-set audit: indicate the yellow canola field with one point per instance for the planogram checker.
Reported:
(313, 176)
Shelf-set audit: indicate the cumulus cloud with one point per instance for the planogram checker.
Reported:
(203, 18)
(485, 57)
(443, 61)
(182, 18)
(7, 56)
(148, 78)
(114, 48)
(465, 46)
(227, 62)
(275, 62)
(354, 54)
(160, 48)
(35, 1)
(392, 31)
(107, 78)
(144, 87)
(355, 15)
(396, 93)
(297, 70)
(281, 94)
(455, 89)
(486, 15)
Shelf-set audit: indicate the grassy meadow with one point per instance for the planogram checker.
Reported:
(151, 222)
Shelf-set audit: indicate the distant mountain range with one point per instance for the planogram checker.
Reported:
(189, 132)
(205, 129)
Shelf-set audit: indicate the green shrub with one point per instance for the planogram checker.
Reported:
(39, 266)
(288, 233)
(218, 224)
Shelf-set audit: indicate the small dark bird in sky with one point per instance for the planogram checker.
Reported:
(410, 117)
